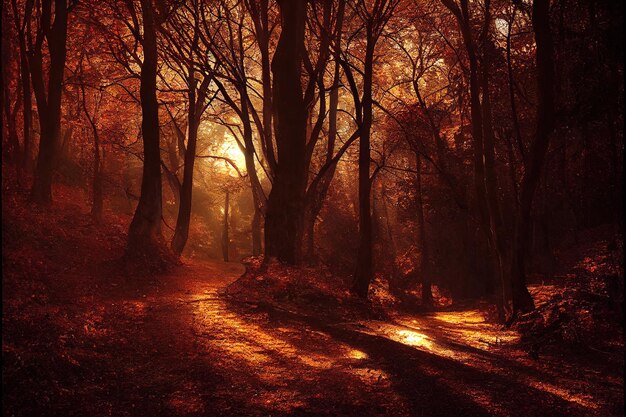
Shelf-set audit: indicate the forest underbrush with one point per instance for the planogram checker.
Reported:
(579, 309)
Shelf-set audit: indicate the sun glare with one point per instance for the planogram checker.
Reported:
(230, 150)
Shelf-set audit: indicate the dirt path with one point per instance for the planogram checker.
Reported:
(176, 346)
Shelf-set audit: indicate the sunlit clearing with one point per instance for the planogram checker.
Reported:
(457, 317)
(412, 338)
(357, 354)
(471, 328)
(251, 343)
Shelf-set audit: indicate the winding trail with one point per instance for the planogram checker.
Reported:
(176, 346)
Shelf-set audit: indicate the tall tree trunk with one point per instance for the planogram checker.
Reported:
(522, 301)
(283, 221)
(315, 196)
(364, 270)
(27, 109)
(258, 10)
(258, 195)
(225, 238)
(483, 203)
(256, 232)
(181, 233)
(309, 236)
(26, 92)
(49, 108)
(393, 250)
(144, 234)
(316, 193)
(496, 227)
(96, 205)
(509, 66)
(171, 176)
(424, 264)
(248, 149)
(266, 77)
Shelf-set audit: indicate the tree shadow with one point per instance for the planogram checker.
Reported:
(437, 386)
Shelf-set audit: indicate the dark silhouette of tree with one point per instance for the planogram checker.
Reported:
(285, 204)
(522, 301)
(374, 17)
(144, 234)
(50, 34)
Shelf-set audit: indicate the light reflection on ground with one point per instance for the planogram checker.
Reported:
(283, 359)
(271, 353)
(357, 354)
(412, 338)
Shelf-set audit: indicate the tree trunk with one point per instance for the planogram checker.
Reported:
(309, 236)
(181, 233)
(496, 228)
(49, 108)
(174, 154)
(225, 238)
(144, 234)
(97, 203)
(393, 250)
(258, 195)
(364, 270)
(267, 88)
(256, 232)
(424, 264)
(259, 13)
(485, 204)
(26, 92)
(509, 66)
(316, 193)
(28, 108)
(283, 221)
(522, 301)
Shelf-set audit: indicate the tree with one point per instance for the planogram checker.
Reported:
(374, 17)
(285, 205)
(545, 119)
(485, 180)
(20, 26)
(230, 37)
(144, 234)
(183, 49)
(92, 118)
(52, 28)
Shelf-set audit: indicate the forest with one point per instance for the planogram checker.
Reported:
(312, 207)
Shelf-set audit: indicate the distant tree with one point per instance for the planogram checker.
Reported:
(374, 16)
(183, 54)
(92, 118)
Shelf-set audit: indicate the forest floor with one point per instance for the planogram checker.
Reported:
(82, 336)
